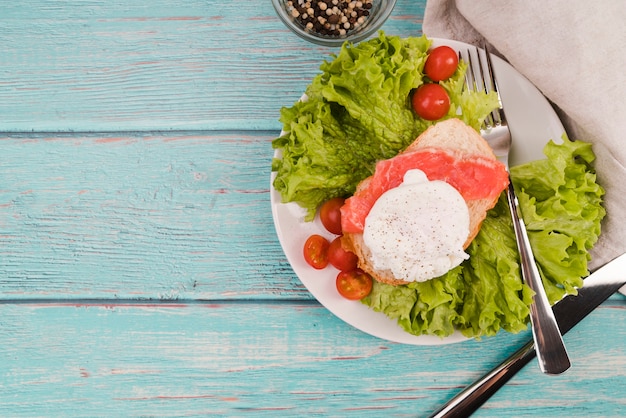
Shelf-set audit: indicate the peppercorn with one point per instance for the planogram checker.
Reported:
(331, 18)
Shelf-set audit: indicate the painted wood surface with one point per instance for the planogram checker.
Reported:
(156, 65)
(140, 273)
(157, 216)
(260, 358)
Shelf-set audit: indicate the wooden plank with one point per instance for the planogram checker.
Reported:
(265, 359)
(107, 65)
(140, 216)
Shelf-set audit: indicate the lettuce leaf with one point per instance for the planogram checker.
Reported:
(357, 111)
(562, 207)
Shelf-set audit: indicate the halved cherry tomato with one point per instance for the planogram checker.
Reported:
(330, 215)
(316, 251)
(339, 258)
(431, 101)
(441, 63)
(354, 284)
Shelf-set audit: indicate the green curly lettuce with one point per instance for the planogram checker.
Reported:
(358, 111)
(562, 208)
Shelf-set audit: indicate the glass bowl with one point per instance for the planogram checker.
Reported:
(332, 22)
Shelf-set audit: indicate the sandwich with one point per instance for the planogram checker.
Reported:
(414, 217)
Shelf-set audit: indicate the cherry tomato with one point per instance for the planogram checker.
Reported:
(431, 101)
(339, 258)
(354, 284)
(316, 251)
(330, 215)
(441, 63)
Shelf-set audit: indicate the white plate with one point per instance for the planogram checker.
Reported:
(533, 123)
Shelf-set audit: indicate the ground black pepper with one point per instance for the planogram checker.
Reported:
(332, 18)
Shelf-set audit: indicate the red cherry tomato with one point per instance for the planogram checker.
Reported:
(339, 258)
(431, 101)
(316, 251)
(330, 215)
(354, 284)
(441, 63)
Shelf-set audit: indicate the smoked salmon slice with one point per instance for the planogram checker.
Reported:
(474, 177)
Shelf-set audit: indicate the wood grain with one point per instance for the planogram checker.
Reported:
(289, 359)
(140, 216)
(154, 65)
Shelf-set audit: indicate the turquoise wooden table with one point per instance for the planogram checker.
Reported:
(140, 271)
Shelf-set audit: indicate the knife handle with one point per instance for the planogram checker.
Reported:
(473, 396)
(572, 309)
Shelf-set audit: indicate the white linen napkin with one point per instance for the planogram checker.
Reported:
(574, 51)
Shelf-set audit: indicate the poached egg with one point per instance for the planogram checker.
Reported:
(417, 230)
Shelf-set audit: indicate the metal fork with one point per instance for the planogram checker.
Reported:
(551, 352)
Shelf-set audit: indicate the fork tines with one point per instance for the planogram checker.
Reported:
(479, 77)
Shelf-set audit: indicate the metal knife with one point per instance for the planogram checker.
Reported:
(568, 312)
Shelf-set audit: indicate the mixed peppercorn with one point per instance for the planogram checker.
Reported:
(333, 18)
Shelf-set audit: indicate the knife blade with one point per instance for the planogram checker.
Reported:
(569, 311)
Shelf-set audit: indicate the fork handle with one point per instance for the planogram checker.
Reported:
(551, 352)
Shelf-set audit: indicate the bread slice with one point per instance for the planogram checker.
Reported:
(451, 134)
